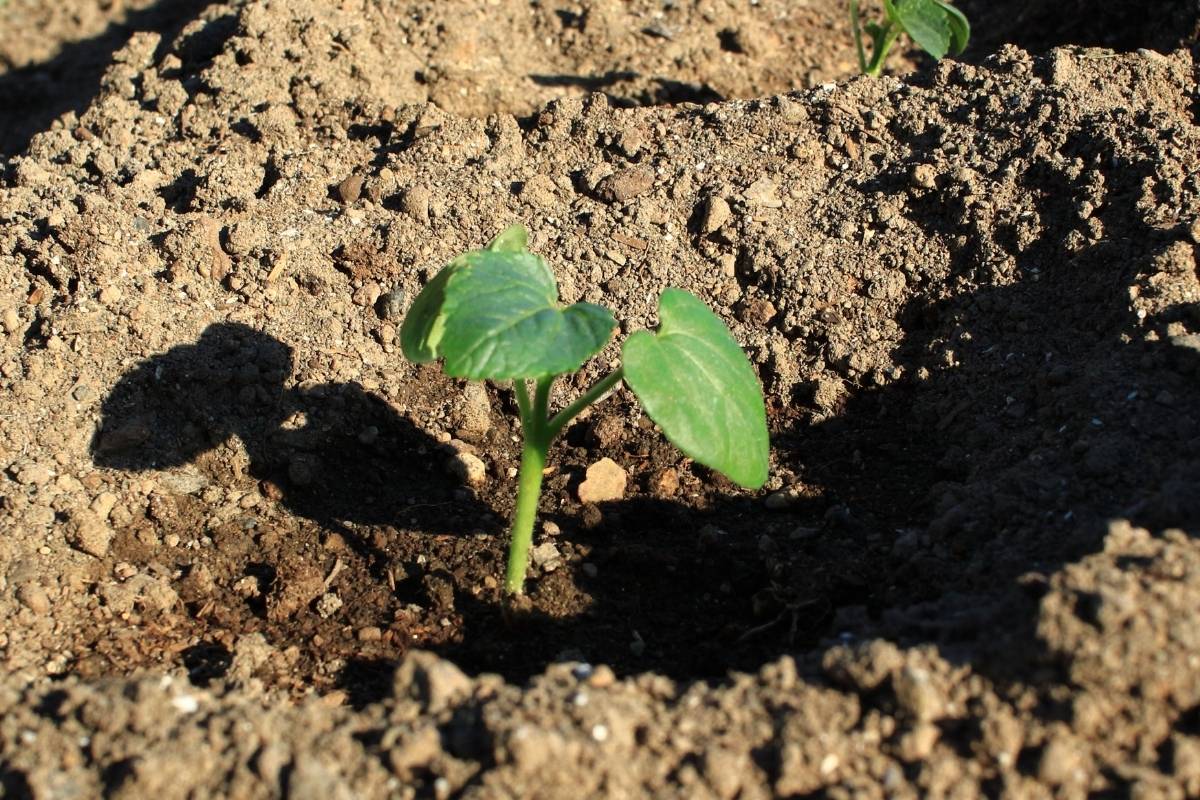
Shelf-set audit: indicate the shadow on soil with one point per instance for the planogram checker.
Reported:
(1037, 408)
(332, 453)
(662, 91)
(1040, 25)
(71, 79)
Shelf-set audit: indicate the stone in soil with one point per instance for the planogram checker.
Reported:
(605, 482)
(87, 533)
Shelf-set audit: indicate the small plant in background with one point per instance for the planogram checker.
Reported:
(493, 314)
(937, 27)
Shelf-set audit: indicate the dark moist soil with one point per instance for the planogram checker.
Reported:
(242, 551)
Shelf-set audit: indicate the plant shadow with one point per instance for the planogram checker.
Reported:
(332, 453)
(1037, 26)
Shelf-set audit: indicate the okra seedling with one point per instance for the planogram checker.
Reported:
(493, 314)
(937, 27)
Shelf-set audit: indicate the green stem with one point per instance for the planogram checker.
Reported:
(856, 25)
(883, 43)
(522, 393)
(529, 486)
(564, 417)
(539, 431)
(533, 460)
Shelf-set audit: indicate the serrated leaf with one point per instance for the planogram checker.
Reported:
(424, 324)
(501, 319)
(925, 21)
(512, 239)
(960, 27)
(697, 384)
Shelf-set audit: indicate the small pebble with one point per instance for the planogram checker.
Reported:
(783, 499)
(923, 176)
(32, 475)
(546, 557)
(602, 677)
(89, 534)
(390, 305)
(714, 214)
(665, 483)
(605, 481)
(468, 468)
(328, 605)
(103, 504)
(764, 193)
(350, 189)
(34, 597)
(625, 185)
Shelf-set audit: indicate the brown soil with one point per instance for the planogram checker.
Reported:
(237, 560)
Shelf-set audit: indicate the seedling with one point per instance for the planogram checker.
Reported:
(937, 27)
(493, 314)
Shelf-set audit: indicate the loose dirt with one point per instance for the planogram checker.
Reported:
(248, 550)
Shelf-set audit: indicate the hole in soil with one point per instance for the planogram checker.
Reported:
(1189, 722)
(15, 784)
(729, 41)
(206, 662)
(117, 773)
(271, 176)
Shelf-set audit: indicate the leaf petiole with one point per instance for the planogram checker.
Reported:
(598, 390)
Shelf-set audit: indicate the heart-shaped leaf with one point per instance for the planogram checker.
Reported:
(698, 385)
(500, 319)
(494, 313)
(925, 21)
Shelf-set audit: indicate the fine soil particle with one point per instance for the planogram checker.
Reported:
(248, 550)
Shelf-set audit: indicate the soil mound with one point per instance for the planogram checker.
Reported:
(237, 559)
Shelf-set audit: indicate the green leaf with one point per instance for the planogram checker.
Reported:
(423, 326)
(501, 319)
(512, 239)
(925, 21)
(960, 27)
(698, 385)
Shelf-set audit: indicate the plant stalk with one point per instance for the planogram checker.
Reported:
(856, 26)
(529, 482)
(881, 47)
(533, 460)
(881, 42)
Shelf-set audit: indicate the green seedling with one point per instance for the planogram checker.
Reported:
(493, 314)
(937, 27)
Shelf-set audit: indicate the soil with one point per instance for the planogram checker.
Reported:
(247, 550)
